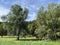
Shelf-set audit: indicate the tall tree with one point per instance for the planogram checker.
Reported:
(48, 22)
(17, 16)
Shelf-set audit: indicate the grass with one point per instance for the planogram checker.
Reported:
(13, 41)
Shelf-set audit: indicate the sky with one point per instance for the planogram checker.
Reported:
(32, 5)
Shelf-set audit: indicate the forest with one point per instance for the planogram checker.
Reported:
(45, 27)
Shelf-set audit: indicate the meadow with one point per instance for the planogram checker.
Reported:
(13, 41)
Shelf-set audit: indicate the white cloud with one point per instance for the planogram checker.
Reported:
(3, 11)
(23, 2)
(31, 17)
(33, 6)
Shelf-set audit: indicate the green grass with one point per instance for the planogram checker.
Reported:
(13, 41)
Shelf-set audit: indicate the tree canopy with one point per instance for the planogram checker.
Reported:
(46, 26)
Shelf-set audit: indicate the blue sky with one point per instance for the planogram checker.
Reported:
(32, 5)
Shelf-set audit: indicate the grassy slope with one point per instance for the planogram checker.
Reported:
(12, 41)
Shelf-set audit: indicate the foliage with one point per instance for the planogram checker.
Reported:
(15, 18)
(46, 26)
(48, 22)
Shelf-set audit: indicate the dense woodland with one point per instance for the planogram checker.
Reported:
(46, 26)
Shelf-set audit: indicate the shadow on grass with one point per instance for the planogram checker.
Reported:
(29, 39)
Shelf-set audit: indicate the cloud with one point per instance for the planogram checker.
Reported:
(32, 5)
(31, 17)
(3, 11)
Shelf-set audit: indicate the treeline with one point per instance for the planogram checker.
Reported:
(46, 26)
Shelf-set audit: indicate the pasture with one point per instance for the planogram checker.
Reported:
(13, 41)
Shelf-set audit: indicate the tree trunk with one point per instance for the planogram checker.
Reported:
(18, 32)
(17, 36)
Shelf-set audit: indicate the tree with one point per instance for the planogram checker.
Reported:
(2, 30)
(16, 16)
(32, 27)
(48, 22)
(41, 24)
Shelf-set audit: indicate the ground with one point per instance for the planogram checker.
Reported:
(13, 41)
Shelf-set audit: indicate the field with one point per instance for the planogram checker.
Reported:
(13, 41)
